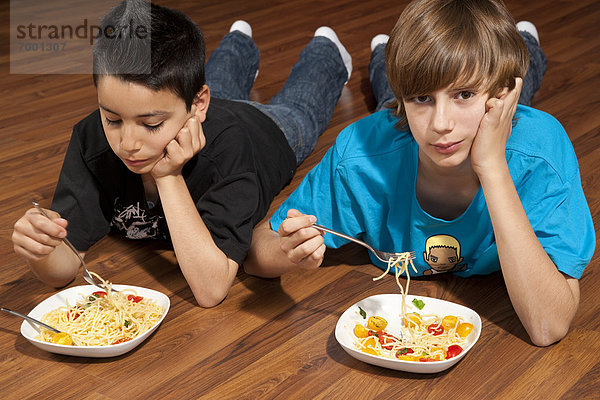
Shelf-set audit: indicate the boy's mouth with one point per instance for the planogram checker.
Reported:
(134, 163)
(446, 148)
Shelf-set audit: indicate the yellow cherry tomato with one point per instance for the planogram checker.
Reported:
(371, 341)
(370, 351)
(449, 322)
(62, 338)
(464, 329)
(408, 358)
(376, 323)
(437, 353)
(360, 331)
(412, 320)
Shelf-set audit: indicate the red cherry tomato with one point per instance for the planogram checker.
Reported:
(121, 340)
(387, 341)
(99, 294)
(435, 329)
(453, 351)
(404, 351)
(73, 313)
(135, 299)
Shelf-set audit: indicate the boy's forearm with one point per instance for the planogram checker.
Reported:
(266, 259)
(543, 298)
(58, 268)
(206, 268)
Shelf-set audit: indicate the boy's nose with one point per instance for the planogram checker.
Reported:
(442, 121)
(129, 141)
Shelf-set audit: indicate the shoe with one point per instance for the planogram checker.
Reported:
(379, 39)
(526, 26)
(242, 26)
(329, 33)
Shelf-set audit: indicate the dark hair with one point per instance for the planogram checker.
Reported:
(153, 46)
(436, 43)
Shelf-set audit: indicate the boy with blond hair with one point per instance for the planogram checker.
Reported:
(455, 155)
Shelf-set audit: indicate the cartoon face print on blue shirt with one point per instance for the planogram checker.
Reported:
(442, 254)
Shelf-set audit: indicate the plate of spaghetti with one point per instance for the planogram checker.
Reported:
(97, 323)
(407, 333)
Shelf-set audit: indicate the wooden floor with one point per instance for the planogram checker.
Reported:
(274, 338)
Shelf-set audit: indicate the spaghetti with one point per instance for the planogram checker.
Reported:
(103, 318)
(424, 337)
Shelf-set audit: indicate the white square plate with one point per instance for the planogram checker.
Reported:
(30, 331)
(389, 306)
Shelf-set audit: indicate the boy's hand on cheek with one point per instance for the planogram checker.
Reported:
(489, 146)
(188, 142)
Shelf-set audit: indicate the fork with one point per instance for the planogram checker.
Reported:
(86, 274)
(381, 255)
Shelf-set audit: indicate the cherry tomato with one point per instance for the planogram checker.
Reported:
(376, 323)
(435, 329)
(387, 341)
(360, 331)
(449, 322)
(370, 351)
(135, 299)
(437, 353)
(73, 314)
(62, 338)
(408, 358)
(453, 351)
(99, 294)
(464, 329)
(412, 320)
(121, 340)
(404, 351)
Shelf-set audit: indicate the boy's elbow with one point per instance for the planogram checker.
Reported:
(545, 334)
(211, 298)
(251, 266)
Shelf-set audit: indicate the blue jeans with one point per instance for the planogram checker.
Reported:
(531, 83)
(303, 107)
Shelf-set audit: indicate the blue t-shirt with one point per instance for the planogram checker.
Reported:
(365, 187)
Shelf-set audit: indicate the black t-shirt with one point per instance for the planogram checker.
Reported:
(245, 163)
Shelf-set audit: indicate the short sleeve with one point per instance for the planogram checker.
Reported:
(560, 216)
(325, 193)
(78, 198)
(227, 209)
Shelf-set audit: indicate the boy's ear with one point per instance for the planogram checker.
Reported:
(201, 102)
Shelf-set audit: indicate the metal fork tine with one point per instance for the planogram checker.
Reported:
(382, 256)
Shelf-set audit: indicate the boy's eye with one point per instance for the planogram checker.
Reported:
(153, 128)
(421, 99)
(465, 95)
(112, 121)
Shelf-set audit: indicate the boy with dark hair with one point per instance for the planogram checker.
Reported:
(455, 156)
(170, 156)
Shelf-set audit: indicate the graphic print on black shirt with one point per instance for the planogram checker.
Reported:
(136, 222)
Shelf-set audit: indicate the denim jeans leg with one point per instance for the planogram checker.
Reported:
(377, 75)
(536, 71)
(231, 68)
(305, 104)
